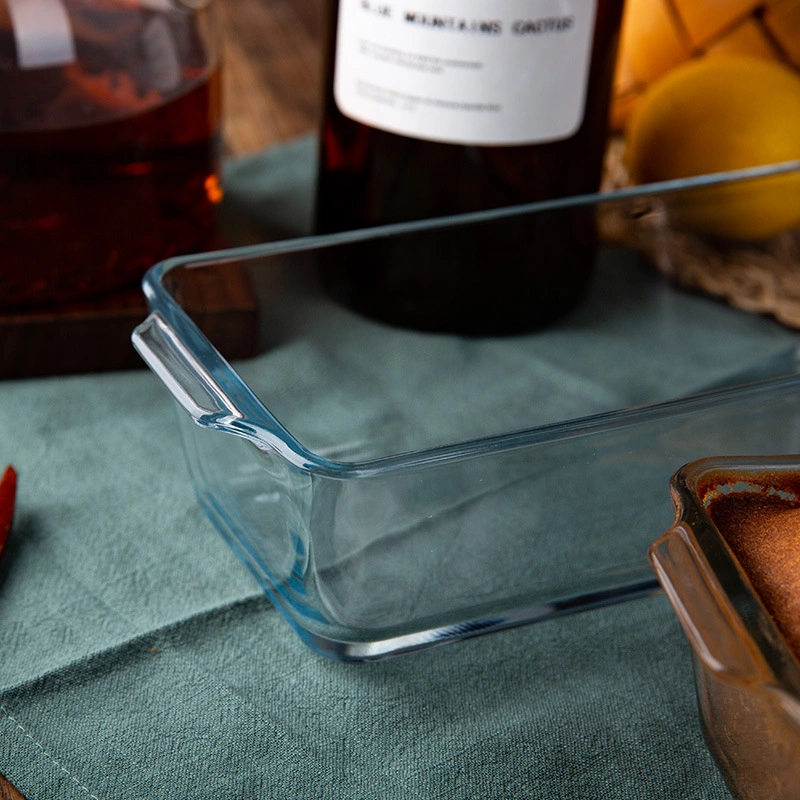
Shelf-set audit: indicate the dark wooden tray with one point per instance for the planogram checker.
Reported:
(96, 336)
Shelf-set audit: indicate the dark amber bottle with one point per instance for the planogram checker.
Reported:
(451, 106)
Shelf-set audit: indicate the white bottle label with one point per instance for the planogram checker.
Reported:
(465, 71)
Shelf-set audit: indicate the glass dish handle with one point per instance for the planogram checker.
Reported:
(710, 624)
(195, 389)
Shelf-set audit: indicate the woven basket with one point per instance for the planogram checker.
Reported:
(759, 278)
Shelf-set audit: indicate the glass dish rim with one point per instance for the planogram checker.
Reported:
(245, 415)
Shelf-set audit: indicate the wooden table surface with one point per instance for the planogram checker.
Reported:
(271, 89)
(272, 70)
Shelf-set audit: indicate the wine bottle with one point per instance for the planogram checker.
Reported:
(439, 107)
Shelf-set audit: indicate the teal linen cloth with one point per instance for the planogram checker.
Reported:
(138, 659)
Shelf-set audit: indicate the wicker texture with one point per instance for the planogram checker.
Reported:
(760, 278)
(657, 35)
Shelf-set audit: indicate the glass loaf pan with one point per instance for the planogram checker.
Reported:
(747, 679)
(391, 490)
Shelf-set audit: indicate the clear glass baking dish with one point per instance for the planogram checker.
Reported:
(747, 680)
(391, 490)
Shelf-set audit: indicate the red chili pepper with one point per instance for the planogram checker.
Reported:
(8, 494)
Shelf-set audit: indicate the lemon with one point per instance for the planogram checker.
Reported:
(719, 114)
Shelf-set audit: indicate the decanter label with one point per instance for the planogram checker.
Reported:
(42, 33)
